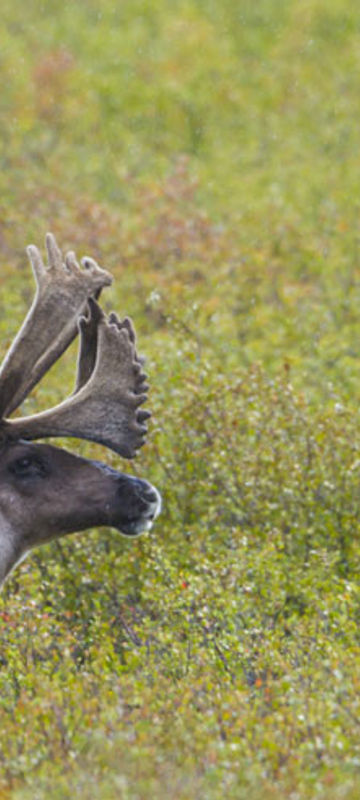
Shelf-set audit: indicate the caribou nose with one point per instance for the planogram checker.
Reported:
(146, 491)
(150, 495)
(140, 505)
(151, 498)
(139, 496)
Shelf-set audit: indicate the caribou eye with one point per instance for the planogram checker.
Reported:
(28, 467)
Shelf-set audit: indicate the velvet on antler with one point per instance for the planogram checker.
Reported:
(110, 385)
(63, 289)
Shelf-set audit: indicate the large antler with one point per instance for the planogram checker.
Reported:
(110, 388)
(63, 289)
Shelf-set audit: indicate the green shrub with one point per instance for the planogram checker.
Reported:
(206, 153)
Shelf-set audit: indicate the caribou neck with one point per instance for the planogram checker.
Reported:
(11, 549)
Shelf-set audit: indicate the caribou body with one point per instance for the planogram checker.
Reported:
(45, 491)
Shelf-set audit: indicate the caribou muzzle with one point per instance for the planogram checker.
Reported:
(139, 505)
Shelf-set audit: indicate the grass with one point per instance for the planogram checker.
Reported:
(205, 152)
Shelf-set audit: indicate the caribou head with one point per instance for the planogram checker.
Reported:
(45, 491)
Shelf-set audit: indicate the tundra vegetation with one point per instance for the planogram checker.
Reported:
(206, 152)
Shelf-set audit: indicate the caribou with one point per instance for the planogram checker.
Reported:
(45, 491)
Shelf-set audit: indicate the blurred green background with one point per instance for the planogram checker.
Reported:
(206, 152)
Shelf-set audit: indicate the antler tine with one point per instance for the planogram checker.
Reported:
(128, 324)
(63, 289)
(88, 327)
(110, 389)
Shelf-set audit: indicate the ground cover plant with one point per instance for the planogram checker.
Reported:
(207, 153)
